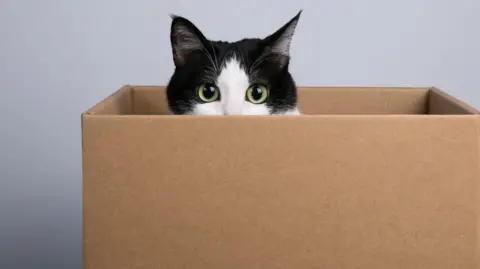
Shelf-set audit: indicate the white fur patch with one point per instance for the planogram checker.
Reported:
(292, 112)
(233, 83)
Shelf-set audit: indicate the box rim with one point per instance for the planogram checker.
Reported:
(281, 117)
(428, 89)
(455, 100)
(91, 110)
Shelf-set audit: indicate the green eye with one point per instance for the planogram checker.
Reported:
(208, 93)
(257, 94)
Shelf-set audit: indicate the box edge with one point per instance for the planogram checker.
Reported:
(477, 192)
(463, 104)
(83, 145)
(92, 109)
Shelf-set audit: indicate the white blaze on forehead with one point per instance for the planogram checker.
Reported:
(233, 83)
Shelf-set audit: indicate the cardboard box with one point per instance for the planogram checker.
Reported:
(369, 178)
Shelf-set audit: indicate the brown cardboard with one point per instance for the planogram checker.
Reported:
(370, 178)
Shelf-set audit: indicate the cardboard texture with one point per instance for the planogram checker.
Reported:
(370, 178)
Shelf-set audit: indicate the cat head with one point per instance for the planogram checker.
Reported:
(245, 77)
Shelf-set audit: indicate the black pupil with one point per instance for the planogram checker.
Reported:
(209, 91)
(257, 93)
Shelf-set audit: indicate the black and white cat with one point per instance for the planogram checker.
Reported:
(246, 77)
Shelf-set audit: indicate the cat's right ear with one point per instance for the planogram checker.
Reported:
(185, 39)
(278, 43)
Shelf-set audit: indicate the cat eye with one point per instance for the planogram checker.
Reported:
(257, 94)
(208, 93)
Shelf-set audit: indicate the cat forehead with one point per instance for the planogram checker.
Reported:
(246, 42)
(240, 46)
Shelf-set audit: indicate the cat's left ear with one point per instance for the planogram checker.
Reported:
(185, 39)
(278, 43)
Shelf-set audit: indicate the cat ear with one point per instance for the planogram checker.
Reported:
(185, 38)
(278, 43)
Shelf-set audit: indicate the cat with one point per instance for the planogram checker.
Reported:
(246, 77)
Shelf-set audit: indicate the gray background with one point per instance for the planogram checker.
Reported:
(59, 57)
